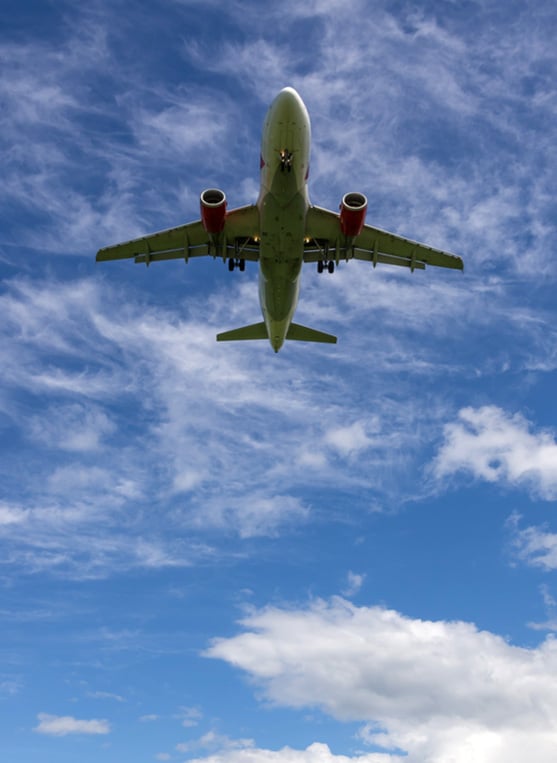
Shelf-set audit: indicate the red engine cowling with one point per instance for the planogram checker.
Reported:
(353, 208)
(213, 210)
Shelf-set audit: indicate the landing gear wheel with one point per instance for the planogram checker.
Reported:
(331, 266)
(242, 265)
(320, 266)
(231, 264)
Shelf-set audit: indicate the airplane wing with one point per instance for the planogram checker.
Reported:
(239, 239)
(326, 242)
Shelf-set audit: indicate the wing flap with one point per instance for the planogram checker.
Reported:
(325, 241)
(239, 238)
(181, 239)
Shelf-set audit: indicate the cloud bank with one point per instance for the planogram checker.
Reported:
(437, 690)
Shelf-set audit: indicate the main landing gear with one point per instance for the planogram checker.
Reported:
(236, 263)
(322, 264)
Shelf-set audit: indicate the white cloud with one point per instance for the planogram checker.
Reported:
(438, 690)
(182, 129)
(10, 686)
(117, 350)
(214, 741)
(58, 725)
(315, 753)
(87, 540)
(350, 439)
(550, 605)
(534, 545)
(353, 583)
(189, 716)
(253, 514)
(74, 427)
(499, 447)
(106, 695)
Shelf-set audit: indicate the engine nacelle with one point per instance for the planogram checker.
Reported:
(213, 210)
(353, 208)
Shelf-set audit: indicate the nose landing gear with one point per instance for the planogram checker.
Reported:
(286, 161)
(329, 265)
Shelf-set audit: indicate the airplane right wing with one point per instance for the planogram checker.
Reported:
(239, 239)
(326, 242)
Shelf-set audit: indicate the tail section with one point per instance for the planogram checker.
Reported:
(295, 332)
(253, 331)
(305, 334)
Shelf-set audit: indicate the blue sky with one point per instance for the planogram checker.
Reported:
(336, 554)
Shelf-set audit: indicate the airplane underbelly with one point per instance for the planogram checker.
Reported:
(281, 254)
(278, 294)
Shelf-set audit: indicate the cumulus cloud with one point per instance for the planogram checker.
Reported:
(60, 725)
(496, 446)
(437, 690)
(315, 753)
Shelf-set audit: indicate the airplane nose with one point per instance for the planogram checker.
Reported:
(289, 96)
(289, 103)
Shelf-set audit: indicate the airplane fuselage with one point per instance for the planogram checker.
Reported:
(283, 204)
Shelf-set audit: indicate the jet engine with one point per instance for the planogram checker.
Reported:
(213, 210)
(353, 208)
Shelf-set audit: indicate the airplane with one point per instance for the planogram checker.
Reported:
(281, 232)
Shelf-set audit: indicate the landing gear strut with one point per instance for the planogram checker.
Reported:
(285, 161)
(236, 263)
(322, 264)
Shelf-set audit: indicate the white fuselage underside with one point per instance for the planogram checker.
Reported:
(283, 203)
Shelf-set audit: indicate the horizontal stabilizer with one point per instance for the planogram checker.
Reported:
(305, 334)
(253, 331)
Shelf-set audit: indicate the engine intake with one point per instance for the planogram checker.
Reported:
(353, 208)
(213, 210)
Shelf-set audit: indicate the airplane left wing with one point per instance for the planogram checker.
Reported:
(326, 242)
(239, 239)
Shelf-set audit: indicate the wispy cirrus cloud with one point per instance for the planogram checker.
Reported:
(85, 361)
(534, 545)
(89, 363)
(402, 115)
